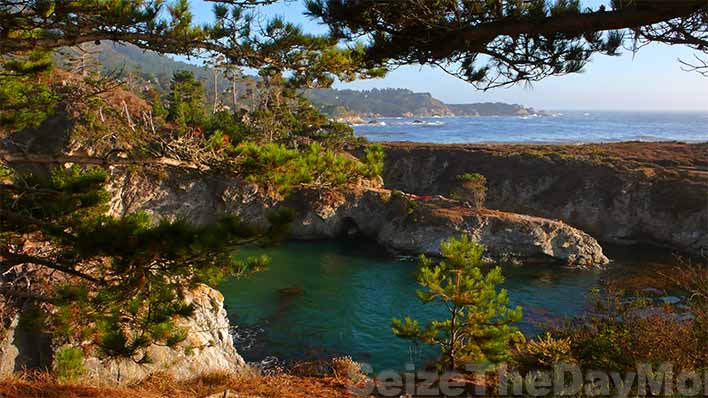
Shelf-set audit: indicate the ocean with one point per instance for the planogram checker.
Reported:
(563, 127)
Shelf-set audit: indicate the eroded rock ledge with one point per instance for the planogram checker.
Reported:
(396, 220)
(652, 193)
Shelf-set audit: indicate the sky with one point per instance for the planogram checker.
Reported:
(650, 80)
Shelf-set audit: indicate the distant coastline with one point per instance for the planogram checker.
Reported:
(358, 107)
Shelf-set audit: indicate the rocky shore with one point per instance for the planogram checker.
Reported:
(399, 221)
(623, 193)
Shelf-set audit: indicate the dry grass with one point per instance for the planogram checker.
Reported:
(248, 385)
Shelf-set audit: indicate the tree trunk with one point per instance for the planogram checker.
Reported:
(216, 89)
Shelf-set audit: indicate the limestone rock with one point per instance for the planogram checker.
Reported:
(209, 347)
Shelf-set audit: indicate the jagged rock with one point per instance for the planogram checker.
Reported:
(23, 347)
(209, 347)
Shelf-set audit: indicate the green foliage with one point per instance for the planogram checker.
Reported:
(126, 277)
(186, 101)
(26, 100)
(545, 352)
(282, 169)
(374, 157)
(286, 117)
(234, 33)
(473, 189)
(603, 349)
(479, 327)
(6, 173)
(226, 125)
(69, 365)
(497, 43)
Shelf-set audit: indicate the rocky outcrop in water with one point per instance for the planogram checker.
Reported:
(396, 220)
(626, 193)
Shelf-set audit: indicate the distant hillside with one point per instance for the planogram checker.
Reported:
(402, 103)
(490, 109)
(390, 102)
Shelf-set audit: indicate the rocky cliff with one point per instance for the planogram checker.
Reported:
(654, 193)
(398, 221)
(208, 348)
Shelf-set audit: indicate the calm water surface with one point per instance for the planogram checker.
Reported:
(350, 290)
(557, 127)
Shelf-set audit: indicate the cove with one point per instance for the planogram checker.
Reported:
(322, 299)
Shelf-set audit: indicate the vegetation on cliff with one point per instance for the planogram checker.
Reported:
(118, 282)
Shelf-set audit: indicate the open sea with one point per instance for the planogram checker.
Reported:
(563, 127)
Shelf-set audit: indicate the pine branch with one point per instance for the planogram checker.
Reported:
(12, 259)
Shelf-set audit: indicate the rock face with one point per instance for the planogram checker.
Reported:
(208, 347)
(398, 221)
(8, 350)
(652, 193)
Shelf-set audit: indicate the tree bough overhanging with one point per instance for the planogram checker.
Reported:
(493, 43)
(235, 32)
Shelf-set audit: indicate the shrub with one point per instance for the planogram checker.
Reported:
(281, 169)
(621, 333)
(348, 368)
(472, 189)
(69, 365)
(544, 352)
(373, 161)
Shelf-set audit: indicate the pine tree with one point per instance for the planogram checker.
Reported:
(479, 327)
(26, 99)
(493, 43)
(118, 282)
(186, 100)
(168, 27)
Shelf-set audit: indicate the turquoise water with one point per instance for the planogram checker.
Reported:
(342, 296)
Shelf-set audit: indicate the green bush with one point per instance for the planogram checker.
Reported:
(544, 352)
(373, 161)
(281, 169)
(472, 189)
(69, 365)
